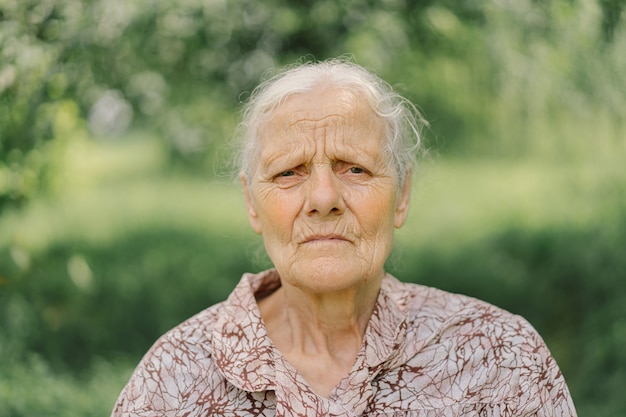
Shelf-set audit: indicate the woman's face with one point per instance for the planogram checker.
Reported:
(323, 193)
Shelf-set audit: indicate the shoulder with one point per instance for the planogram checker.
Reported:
(182, 373)
(187, 348)
(177, 368)
(194, 333)
(454, 326)
(448, 314)
(481, 352)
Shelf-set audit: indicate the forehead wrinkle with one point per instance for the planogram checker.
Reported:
(344, 141)
(326, 120)
(289, 149)
(330, 137)
(298, 132)
(295, 126)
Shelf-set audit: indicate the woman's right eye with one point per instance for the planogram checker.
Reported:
(291, 176)
(286, 177)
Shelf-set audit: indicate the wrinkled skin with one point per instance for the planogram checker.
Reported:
(323, 193)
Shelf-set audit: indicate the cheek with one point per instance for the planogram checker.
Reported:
(277, 215)
(376, 215)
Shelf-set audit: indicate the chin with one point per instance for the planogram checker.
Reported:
(328, 275)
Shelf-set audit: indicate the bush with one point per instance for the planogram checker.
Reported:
(79, 301)
(86, 304)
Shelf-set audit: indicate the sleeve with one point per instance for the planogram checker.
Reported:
(150, 392)
(173, 379)
(543, 391)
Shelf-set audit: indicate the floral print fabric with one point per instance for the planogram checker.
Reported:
(426, 353)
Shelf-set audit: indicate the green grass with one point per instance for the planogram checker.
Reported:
(463, 200)
(32, 389)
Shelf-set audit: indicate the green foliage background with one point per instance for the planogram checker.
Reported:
(118, 218)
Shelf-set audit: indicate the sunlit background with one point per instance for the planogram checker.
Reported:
(119, 215)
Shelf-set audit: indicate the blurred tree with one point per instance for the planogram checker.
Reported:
(70, 68)
(612, 11)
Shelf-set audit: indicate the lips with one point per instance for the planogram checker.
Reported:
(325, 238)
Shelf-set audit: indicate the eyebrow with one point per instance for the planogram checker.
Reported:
(292, 130)
(273, 158)
(354, 154)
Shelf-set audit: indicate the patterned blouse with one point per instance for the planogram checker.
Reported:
(426, 353)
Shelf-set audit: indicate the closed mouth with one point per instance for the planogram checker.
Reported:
(325, 238)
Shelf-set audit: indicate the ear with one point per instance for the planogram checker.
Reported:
(403, 202)
(253, 215)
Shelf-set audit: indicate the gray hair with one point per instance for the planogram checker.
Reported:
(402, 121)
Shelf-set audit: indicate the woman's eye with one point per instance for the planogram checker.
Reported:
(285, 177)
(356, 170)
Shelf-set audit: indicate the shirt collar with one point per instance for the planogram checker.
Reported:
(246, 357)
(242, 350)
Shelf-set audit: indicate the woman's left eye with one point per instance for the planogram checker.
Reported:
(356, 170)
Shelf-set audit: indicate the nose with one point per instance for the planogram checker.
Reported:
(324, 196)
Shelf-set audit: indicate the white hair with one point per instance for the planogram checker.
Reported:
(402, 121)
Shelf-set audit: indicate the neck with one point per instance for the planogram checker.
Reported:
(319, 334)
(328, 324)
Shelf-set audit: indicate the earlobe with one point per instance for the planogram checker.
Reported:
(403, 203)
(253, 215)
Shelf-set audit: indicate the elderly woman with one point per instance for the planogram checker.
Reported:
(326, 172)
